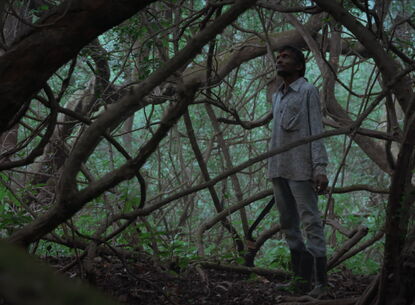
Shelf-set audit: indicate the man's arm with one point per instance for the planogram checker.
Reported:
(318, 151)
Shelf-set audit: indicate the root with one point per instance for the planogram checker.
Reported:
(307, 300)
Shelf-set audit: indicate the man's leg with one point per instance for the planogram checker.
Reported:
(289, 217)
(290, 226)
(306, 199)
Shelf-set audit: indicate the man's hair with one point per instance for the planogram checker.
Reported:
(299, 56)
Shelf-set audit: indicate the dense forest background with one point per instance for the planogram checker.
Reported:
(138, 130)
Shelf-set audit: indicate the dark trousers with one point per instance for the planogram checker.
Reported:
(297, 204)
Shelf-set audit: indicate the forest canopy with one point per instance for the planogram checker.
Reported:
(142, 127)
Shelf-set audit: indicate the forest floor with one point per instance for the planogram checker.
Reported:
(145, 284)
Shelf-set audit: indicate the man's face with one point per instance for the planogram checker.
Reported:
(287, 64)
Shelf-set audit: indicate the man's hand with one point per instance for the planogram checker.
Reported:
(320, 184)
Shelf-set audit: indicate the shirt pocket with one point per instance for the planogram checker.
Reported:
(291, 116)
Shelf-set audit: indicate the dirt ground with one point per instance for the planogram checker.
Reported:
(145, 284)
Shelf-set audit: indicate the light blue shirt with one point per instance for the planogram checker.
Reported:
(296, 115)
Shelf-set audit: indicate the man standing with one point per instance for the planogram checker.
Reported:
(299, 174)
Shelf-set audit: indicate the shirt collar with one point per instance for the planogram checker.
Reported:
(295, 85)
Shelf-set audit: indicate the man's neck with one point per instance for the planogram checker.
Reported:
(290, 79)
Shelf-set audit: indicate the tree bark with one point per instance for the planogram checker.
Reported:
(50, 43)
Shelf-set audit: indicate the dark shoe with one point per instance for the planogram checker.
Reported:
(291, 286)
(306, 272)
(302, 265)
(319, 291)
(296, 261)
(321, 288)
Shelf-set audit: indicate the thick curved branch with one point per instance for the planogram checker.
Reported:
(251, 48)
(359, 234)
(350, 253)
(264, 120)
(256, 246)
(359, 187)
(33, 58)
(285, 9)
(244, 269)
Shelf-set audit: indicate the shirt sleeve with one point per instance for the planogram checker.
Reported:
(273, 98)
(318, 150)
